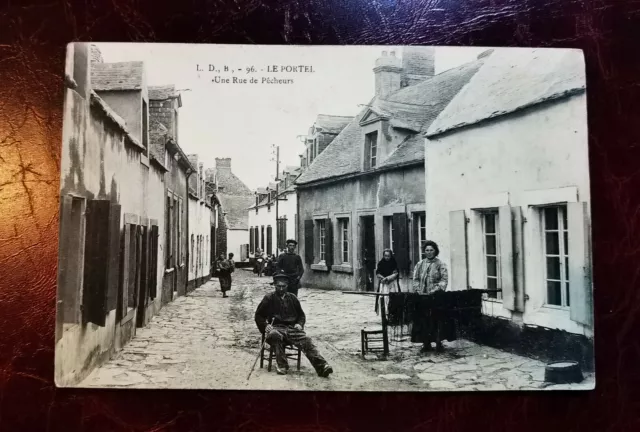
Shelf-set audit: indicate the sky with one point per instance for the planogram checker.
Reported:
(244, 121)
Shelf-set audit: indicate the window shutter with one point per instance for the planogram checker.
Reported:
(506, 257)
(153, 291)
(251, 240)
(145, 270)
(114, 256)
(96, 259)
(458, 278)
(401, 241)
(580, 283)
(328, 242)
(518, 256)
(269, 238)
(66, 309)
(308, 241)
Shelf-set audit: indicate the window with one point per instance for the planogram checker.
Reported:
(251, 241)
(322, 230)
(419, 235)
(554, 220)
(180, 232)
(491, 252)
(371, 150)
(343, 225)
(262, 238)
(192, 252)
(282, 233)
(168, 234)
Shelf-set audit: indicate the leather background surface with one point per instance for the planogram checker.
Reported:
(33, 34)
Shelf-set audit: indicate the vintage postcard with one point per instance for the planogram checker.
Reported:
(329, 218)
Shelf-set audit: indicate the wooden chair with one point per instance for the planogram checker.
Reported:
(291, 352)
(376, 340)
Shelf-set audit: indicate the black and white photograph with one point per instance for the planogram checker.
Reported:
(324, 218)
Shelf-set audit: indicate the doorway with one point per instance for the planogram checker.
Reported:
(367, 252)
(143, 291)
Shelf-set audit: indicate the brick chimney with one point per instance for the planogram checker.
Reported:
(96, 54)
(418, 64)
(388, 73)
(223, 164)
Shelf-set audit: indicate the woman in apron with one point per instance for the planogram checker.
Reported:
(387, 273)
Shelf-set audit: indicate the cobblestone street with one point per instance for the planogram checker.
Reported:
(208, 342)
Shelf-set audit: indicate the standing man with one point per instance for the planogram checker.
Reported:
(290, 265)
(284, 311)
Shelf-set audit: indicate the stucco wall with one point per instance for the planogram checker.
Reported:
(380, 195)
(267, 216)
(199, 225)
(236, 238)
(539, 156)
(95, 164)
(128, 105)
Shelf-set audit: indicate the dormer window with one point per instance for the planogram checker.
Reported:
(371, 149)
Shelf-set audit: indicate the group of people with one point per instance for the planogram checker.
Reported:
(280, 316)
(430, 275)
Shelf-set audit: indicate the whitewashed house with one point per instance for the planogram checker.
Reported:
(508, 201)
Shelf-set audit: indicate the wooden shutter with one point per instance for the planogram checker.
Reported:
(251, 240)
(153, 292)
(459, 275)
(269, 238)
(328, 242)
(518, 257)
(308, 241)
(114, 256)
(507, 279)
(401, 241)
(66, 308)
(96, 259)
(580, 282)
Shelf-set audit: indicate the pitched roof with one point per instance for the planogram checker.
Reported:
(162, 92)
(235, 209)
(412, 108)
(229, 184)
(117, 76)
(332, 123)
(512, 79)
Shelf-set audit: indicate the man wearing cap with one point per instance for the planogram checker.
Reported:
(290, 265)
(283, 310)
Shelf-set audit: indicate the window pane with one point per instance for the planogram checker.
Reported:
(551, 218)
(553, 293)
(566, 243)
(568, 303)
(566, 267)
(489, 223)
(553, 268)
(492, 283)
(553, 248)
(491, 244)
(564, 216)
(492, 266)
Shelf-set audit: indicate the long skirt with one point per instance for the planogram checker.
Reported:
(225, 280)
(431, 321)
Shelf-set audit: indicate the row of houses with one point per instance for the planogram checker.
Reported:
(140, 220)
(490, 160)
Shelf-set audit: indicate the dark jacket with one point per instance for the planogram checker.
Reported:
(290, 264)
(285, 310)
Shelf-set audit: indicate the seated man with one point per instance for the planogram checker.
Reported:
(287, 328)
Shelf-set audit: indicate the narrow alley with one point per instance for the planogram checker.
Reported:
(203, 341)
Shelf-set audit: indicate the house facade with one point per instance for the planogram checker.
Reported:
(110, 232)
(232, 229)
(365, 192)
(269, 231)
(200, 240)
(508, 199)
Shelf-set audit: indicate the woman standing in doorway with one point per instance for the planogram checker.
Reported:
(430, 277)
(224, 274)
(387, 273)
